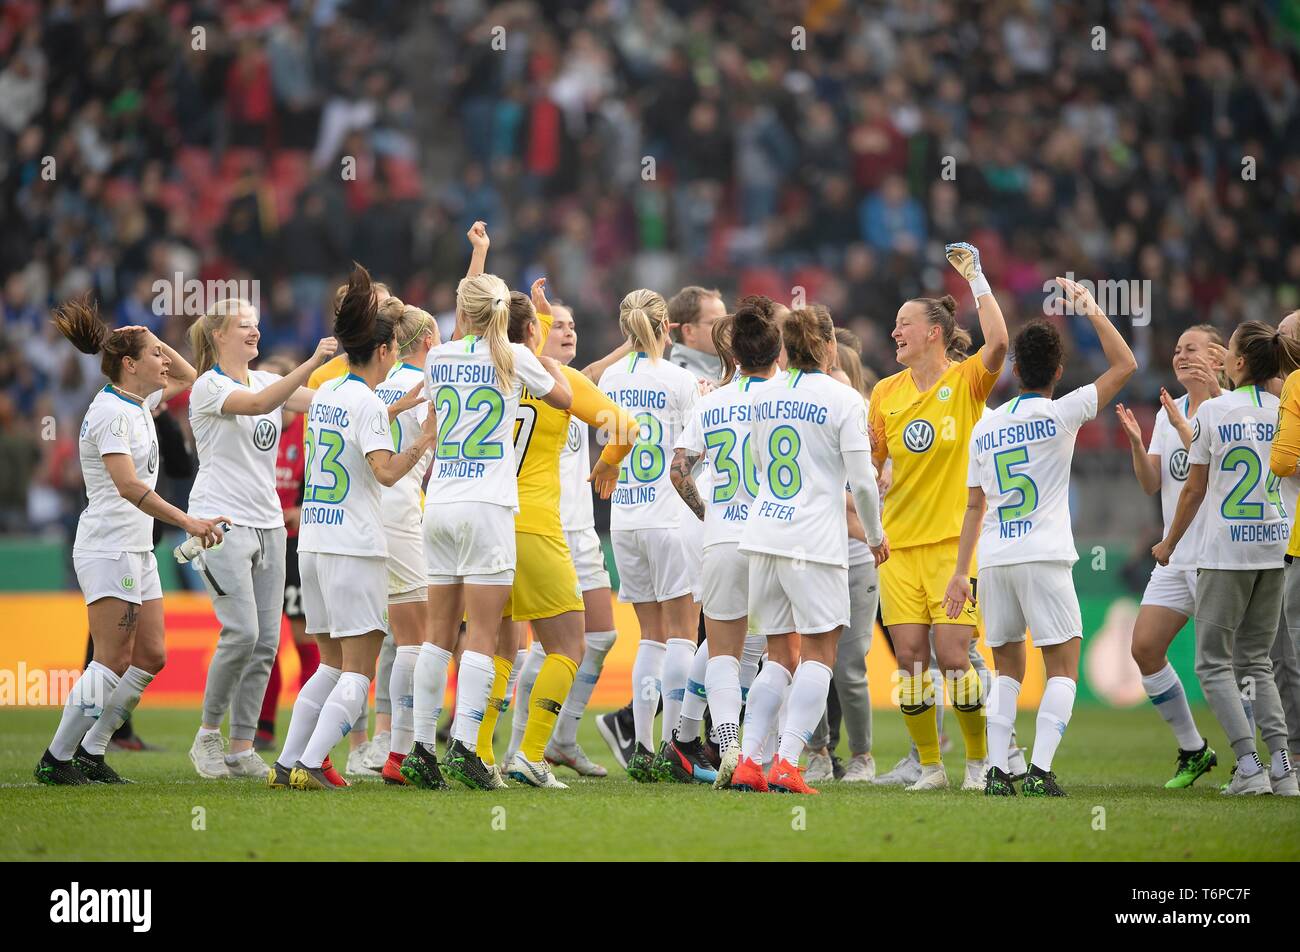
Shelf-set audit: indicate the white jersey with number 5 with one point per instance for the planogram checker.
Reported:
(1246, 523)
(402, 500)
(474, 457)
(660, 395)
(719, 431)
(802, 424)
(1020, 455)
(341, 505)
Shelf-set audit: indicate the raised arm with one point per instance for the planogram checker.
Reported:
(561, 395)
(1146, 466)
(479, 241)
(245, 403)
(593, 370)
(180, 375)
(965, 257)
(1122, 363)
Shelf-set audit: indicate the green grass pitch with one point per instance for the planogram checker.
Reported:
(1112, 763)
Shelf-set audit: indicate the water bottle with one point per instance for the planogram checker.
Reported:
(191, 547)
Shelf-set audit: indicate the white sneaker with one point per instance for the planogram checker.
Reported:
(905, 773)
(498, 781)
(247, 763)
(819, 768)
(1286, 785)
(377, 751)
(975, 770)
(933, 777)
(208, 753)
(1242, 786)
(575, 758)
(861, 768)
(1017, 766)
(730, 760)
(357, 761)
(534, 774)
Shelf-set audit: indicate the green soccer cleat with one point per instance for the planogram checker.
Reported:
(1192, 764)
(1040, 783)
(997, 783)
(465, 765)
(94, 767)
(59, 773)
(420, 768)
(641, 765)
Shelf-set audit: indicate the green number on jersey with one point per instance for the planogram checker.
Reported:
(646, 461)
(783, 473)
(1234, 507)
(476, 445)
(331, 443)
(1015, 482)
(724, 441)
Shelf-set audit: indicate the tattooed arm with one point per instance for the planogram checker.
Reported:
(684, 483)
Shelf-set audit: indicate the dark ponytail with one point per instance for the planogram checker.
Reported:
(358, 323)
(755, 334)
(79, 322)
(1267, 351)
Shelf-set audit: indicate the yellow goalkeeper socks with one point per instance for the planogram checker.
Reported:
(967, 696)
(496, 702)
(549, 691)
(916, 699)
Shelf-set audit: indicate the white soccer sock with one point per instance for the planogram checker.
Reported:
(598, 644)
(1001, 711)
(1281, 763)
(647, 684)
(750, 656)
(677, 667)
(722, 685)
(804, 709)
(766, 696)
(118, 708)
(429, 687)
(340, 710)
(473, 688)
(306, 712)
(524, 691)
(85, 703)
(1249, 764)
(1053, 714)
(695, 700)
(1166, 692)
(401, 688)
(513, 677)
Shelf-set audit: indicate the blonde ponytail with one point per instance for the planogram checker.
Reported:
(201, 341)
(643, 317)
(483, 301)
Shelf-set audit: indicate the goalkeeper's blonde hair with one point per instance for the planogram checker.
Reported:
(643, 317)
(483, 302)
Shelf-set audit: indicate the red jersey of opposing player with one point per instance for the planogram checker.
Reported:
(289, 470)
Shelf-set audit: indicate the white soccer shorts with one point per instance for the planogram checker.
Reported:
(796, 595)
(725, 582)
(1037, 595)
(470, 542)
(1172, 588)
(344, 595)
(130, 576)
(408, 579)
(652, 565)
(588, 559)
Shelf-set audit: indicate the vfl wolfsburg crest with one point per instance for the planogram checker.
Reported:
(128, 582)
(945, 392)
(264, 435)
(1179, 465)
(919, 436)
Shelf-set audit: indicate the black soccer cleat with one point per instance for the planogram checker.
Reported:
(640, 766)
(618, 729)
(682, 761)
(1040, 783)
(94, 767)
(59, 773)
(465, 765)
(998, 783)
(420, 768)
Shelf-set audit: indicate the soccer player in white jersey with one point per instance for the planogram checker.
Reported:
(1239, 554)
(408, 582)
(719, 427)
(235, 417)
(113, 552)
(1019, 489)
(342, 552)
(645, 518)
(808, 434)
(1170, 595)
(474, 383)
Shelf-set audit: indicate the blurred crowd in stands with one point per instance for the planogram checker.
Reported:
(827, 148)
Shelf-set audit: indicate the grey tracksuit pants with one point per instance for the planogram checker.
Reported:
(245, 580)
(1286, 656)
(1237, 613)
(850, 670)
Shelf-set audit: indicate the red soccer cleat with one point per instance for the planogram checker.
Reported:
(786, 778)
(392, 772)
(748, 775)
(332, 775)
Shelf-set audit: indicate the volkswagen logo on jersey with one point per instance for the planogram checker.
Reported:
(264, 435)
(153, 457)
(1179, 465)
(575, 437)
(919, 436)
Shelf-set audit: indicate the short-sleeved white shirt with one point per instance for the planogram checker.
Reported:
(474, 456)
(719, 429)
(660, 395)
(342, 510)
(236, 476)
(1020, 455)
(1246, 524)
(401, 501)
(115, 424)
(801, 425)
(576, 512)
(1174, 463)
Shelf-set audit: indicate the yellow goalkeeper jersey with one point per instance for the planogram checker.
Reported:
(1286, 451)
(332, 369)
(927, 435)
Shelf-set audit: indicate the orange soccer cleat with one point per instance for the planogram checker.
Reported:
(332, 775)
(748, 775)
(786, 778)
(392, 772)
